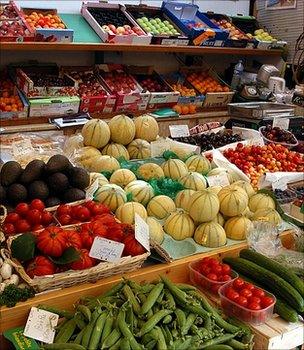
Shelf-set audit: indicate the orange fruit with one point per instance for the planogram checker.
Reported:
(185, 109)
(192, 109)
(226, 89)
(177, 109)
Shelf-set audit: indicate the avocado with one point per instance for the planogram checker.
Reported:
(52, 202)
(56, 164)
(79, 178)
(73, 195)
(16, 193)
(33, 171)
(2, 194)
(58, 183)
(10, 172)
(38, 189)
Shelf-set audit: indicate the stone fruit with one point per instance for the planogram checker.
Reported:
(42, 20)
(204, 83)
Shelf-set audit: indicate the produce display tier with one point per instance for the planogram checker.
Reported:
(177, 271)
(86, 46)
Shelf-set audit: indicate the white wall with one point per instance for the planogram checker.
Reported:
(231, 7)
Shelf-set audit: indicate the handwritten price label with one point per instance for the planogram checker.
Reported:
(179, 130)
(218, 180)
(41, 325)
(142, 232)
(105, 249)
(20, 148)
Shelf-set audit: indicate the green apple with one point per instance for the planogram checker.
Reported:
(170, 26)
(158, 20)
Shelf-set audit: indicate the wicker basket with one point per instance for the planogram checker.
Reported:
(74, 277)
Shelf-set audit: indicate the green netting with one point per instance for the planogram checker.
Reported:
(170, 155)
(166, 186)
(107, 174)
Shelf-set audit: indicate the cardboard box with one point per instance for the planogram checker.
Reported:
(19, 114)
(28, 32)
(49, 107)
(132, 39)
(186, 16)
(50, 34)
(137, 11)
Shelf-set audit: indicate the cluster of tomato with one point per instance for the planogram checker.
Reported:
(204, 83)
(256, 160)
(248, 296)
(39, 20)
(27, 217)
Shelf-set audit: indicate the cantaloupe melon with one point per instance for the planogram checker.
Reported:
(85, 156)
(122, 129)
(102, 180)
(210, 234)
(198, 163)
(214, 189)
(219, 219)
(126, 212)
(268, 214)
(179, 225)
(139, 149)
(232, 176)
(156, 230)
(122, 177)
(174, 168)
(96, 133)
(160, 207)
(260, 201)
(238, 227)
(193, 181)
(150, 171)
(111, 195)
(233, 200)
(245, 186)
(116, 150)
(140, 191)
(146, 127)
(104, 163)
(203, 206)
(182, 199)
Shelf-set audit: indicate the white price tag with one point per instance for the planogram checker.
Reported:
(179, 130)
(218, 180)
(142, 234)
(158, 147)
(91, 190)
(282, 123)
(40, 325)
(105, 249)
(22, 147)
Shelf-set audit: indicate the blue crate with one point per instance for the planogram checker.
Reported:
(185, 15)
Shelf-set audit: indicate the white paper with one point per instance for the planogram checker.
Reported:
(279, 185)
(282, 123)
(179, 130)
(142, 234)
(218, 180)
(40, 325)
(106, 249)
(159, 146)
(280, 179)
(91, 190)
(185, 147)
(22, 147)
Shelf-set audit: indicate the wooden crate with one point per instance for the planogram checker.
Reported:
(177, 271)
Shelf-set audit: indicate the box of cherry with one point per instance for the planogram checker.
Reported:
(15, 30)
(113, 25)
(94, 96)
(130, 96)
(9, 11)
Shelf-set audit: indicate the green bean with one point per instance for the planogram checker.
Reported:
(80, 323)
(178, 293)
(134, 285)
(151, 344)
(87, 334)
(170, 300)
(124, 329)
(116, 346)
(114, 289)
(161, 342)
(208, 323)
(219, 340)
(196, 309)
(111, 339)
(60, 325)
(167, 319)
(147, 288)
(107, 329)
(125, 344)
(149, 313)
(62, 346)
(85, 311)
(185, 287)
(169, 336)
(152, 322)
(62, 329)
(235, 344)
(219, 347)
(181, 344)
(78, 339)
(67, 332)
(181, 318)
(142, 297)
(131, 297)
(151, 299)
(160, 298)
(97, 331)
(189, 322)
(62, 313)
(130, 318)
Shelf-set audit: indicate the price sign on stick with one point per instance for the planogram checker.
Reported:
(179, 130)
(142, 234)
(282, 123)
(218, 180)
(105, 249)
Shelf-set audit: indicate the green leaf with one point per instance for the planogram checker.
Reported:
(69, 255)
(23, 247)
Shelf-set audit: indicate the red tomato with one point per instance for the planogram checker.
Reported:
(84, 262)
(246, 293)
(132, 247)
(22, 209)
(242, 301)
(12, 218)
(106, 219)
(99, 209)
(89, 204)
(64, 209)
(226, 269)
(22, 226)
(65, 219)
(213, 261)
(83, 214)
(212, 276)
(72, 239)
(40, 266)
(37, 204)
(225, 278)
(74, 210)
(266, 301)
(254, 306)
(34, 217)
(51, 241)
(257, 292)
(206, 260)
(46, 218)
(205, 269)
(238, 283)
(249, 286)
(254, 299)
(232, 294)
(217, 269)
(117, 232)
(37, 227)
(9, 229)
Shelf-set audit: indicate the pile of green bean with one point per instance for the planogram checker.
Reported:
(160, 315)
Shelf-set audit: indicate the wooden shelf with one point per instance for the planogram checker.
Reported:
(41, 46)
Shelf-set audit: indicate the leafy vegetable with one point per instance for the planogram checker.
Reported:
(23, 247)
(69, 255)
(13, 294)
